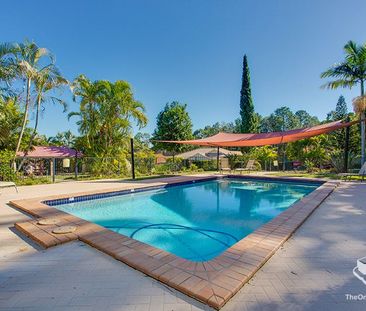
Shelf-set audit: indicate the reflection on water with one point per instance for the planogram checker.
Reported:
(196, 221)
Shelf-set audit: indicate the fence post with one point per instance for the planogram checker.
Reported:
(76, 165)
(346, 148)
(132, 159)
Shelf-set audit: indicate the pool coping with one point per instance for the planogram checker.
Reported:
(214, 281)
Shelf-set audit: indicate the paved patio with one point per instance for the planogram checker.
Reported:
(312, 271)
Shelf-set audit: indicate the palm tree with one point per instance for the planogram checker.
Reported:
(88, 92)
(7, 67)
(25, 61)
(106, 112)
(350, 72)
(46, 80)
(119, 109)
(67, 139)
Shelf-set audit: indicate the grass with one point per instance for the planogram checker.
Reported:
(63, 178)
(322, 174)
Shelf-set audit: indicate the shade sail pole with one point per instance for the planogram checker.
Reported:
(132, 159)
(218, 159)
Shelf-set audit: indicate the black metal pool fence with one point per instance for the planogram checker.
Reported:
(58, 170)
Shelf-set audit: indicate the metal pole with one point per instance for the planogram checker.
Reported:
(218, 159)
(76, 165)
(362, 128)
(132, 159)
(53, 170)
(346, 148)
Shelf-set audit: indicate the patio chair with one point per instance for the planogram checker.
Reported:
(249, 167)
(225, 169)
(361, 173)
(6, 184)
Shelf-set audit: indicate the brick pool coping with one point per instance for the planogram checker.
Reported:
(214, 281)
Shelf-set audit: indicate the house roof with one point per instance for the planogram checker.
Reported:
(208, 153)
(49, 152)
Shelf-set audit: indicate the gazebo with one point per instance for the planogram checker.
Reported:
(51, 154)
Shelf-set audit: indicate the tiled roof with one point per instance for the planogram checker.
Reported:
(51, 152)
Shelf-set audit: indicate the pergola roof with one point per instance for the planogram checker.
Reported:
(50, 152)
(262, 139)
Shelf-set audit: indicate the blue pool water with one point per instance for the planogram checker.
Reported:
(195, 221)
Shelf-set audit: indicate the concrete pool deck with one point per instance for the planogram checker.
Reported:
(76, 277)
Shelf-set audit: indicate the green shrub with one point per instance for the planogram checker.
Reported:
(161, 169)
(144, 162)
(309, 165)
(29, 181)
(193, 167)
(6, 171)
(106, 166)
(176, 164)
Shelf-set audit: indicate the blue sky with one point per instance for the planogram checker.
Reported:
(191, 50)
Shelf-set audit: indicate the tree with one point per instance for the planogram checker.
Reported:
(340, 111)
(142, 141)
(337, 138)
(265, 155)
(305, 119)
(28, 57)
(67, 139)
(311, 150)
(88, 93)
(106, 113)
(173, 123)
(10, 123)
(282, 119)
(348, 73)
(46, 81)
(217, 127)
(25, 61)
(8, 68)
(249, 122)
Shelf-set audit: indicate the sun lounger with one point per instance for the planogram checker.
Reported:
(361, 173)
(249, 167)
(6, 184)
(225, 169)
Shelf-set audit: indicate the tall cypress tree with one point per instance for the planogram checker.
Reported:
(248, 116)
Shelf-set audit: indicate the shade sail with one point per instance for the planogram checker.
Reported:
(262, 139)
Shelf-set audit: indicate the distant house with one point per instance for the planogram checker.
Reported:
(50, 152)
(43, 160)
(204, 154)
(160, 158)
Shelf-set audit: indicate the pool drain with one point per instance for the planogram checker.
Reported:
(48, 221)
(64, 229)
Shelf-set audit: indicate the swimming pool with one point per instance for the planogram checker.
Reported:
(196, 221)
